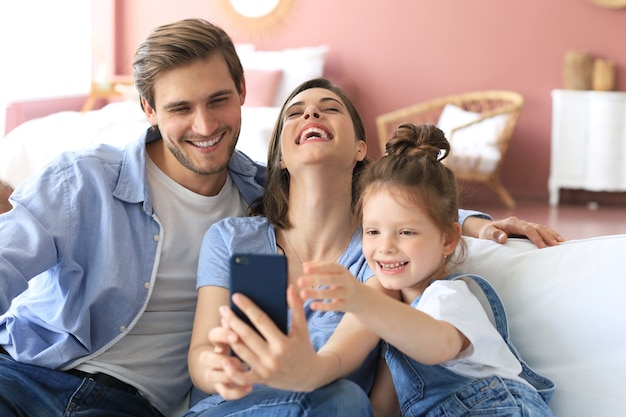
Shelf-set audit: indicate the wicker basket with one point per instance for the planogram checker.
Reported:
(577, 70)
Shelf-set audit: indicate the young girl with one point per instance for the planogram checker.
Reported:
(445, 355)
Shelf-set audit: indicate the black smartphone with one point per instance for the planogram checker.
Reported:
(263, 279)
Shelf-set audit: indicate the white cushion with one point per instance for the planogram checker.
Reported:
(297, 65)
(261, 86)
(257, 124)
(244, 48)
(566, 313)
(453, 116)
(474, 148)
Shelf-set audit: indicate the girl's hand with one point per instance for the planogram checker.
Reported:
(273, 358)
(333, 285)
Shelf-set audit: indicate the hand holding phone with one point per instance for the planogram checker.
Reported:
(263, 279)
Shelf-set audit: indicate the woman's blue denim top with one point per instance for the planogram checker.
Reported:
(433, 390)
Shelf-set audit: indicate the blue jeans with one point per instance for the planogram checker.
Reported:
(29, 391)
(340, 398)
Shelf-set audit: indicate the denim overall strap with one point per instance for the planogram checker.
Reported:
(490, 300)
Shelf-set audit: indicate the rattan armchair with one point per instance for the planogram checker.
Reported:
(470, 159)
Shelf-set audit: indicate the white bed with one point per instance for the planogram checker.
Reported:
(270, 77)
(31, 145)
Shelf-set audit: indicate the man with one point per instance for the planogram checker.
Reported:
(98, 257)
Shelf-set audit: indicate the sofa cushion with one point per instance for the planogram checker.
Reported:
(262, 86)
(566, 312)
(453, 116)
(475, 147)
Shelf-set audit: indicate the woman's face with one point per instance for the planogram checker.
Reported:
(318, 129)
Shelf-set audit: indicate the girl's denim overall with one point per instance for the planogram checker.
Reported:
(433, 390)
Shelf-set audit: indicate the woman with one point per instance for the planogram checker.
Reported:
(316, 155)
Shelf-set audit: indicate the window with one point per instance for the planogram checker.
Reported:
(46, 49)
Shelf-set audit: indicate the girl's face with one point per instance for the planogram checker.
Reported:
(318, 129)
(401, 243)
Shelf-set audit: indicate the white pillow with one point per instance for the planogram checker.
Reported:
(244, 48)
(257, 124)
(297, 64)
(453, 116)
(483, 160)
(566, 311)
(475, 147)
(483, 133)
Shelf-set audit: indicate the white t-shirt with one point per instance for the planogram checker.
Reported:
(487, 354)
(153, 355)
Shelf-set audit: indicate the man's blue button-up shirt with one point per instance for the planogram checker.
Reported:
(80, 250)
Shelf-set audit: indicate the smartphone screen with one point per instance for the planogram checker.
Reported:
(263, 279)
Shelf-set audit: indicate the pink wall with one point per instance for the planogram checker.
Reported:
(403, 52)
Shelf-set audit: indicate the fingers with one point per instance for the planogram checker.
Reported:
(542, 236)
(549, 236)
(243, 339)
(218, 336)
(321, 267)
(318, 287)
(225, 373)
(328, 283)
(259, 319)
(232, 392)
(296, 306)
(498, 235)
(232, 382)
(321, 274)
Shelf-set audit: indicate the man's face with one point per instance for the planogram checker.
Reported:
(198, 112)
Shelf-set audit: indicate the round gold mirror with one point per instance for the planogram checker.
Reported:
(257, 15)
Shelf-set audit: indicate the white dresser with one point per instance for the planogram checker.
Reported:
(588, 142)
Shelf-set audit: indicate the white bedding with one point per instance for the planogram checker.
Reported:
(31, 145)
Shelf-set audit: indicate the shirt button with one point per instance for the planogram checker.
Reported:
(156, 238)
(122, 328)
(146, 285)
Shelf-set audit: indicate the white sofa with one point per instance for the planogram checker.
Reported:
(566, 307)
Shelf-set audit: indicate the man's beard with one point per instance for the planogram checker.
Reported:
(188, 163)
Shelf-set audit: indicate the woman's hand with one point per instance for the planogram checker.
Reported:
(223, 369)
(500, 230)
(209, 352)
(273, 358)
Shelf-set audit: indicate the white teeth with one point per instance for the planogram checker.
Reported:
(311, 133)
(392, 267)
(206, 143)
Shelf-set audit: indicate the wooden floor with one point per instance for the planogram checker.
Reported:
(573, 220)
